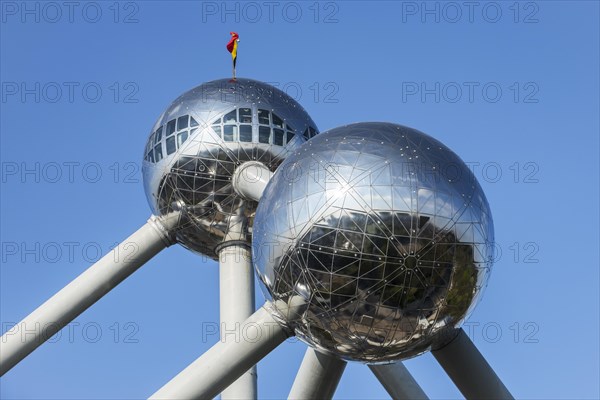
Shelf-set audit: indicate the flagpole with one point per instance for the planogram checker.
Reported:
(235, 59)
(232, 48)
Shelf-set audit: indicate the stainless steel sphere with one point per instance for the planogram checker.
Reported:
(383, 235)
(196, 145)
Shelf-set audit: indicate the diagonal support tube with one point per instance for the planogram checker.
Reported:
(86, 289)
(225, 362)
(318, 376)
(469, 370)
(398, 381)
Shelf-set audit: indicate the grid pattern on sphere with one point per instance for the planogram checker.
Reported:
(388, 253)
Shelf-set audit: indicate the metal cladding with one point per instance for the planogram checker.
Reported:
(383, 233)
(201, 138)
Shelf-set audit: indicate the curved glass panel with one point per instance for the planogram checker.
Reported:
(171, 127)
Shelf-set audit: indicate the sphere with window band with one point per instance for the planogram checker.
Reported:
(198, 142)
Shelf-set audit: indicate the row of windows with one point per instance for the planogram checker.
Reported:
(236, 126)
(176, 133)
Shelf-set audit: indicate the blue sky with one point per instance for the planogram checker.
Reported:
(512, 87)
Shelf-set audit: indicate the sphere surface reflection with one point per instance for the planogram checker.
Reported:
(199, 141)
(383, 233)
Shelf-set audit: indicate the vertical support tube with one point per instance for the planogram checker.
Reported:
(469, 371)
(236, 286)
(318, 376)
(223, 363)
(398, 381)
(236, 277)
(85, 290)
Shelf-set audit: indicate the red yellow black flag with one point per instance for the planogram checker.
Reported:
(232, 48)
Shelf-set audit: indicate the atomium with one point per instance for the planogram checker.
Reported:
(374, 242)
(383, 233)
(198, 142)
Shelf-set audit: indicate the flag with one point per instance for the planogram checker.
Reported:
(232, 46)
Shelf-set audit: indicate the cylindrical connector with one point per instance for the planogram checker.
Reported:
(250, 180)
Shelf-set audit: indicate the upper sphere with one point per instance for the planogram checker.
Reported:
(382, 233)
(198, 142)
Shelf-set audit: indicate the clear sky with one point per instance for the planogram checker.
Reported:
(512, 87)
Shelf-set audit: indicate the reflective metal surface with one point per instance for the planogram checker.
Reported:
(383, 231)
(201, 138)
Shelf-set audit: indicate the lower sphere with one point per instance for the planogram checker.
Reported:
(381, 233)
